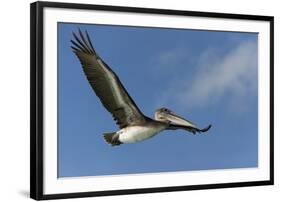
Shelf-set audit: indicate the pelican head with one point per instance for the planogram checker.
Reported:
(162, 115)
(168, 116)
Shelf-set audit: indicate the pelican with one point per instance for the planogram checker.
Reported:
(134, 126)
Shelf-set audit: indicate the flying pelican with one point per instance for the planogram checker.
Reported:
(134, 125)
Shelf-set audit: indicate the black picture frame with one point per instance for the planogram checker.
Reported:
(37, 99)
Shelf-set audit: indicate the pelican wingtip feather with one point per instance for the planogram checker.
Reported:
(82, 43)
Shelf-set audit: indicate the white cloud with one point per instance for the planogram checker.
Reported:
(233, 74)
(173, 56)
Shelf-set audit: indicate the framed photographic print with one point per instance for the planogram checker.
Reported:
(134, 100)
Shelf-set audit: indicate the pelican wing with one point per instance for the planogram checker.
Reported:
(106, 84)
(189, 128)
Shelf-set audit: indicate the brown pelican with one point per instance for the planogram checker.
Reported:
(134, 125)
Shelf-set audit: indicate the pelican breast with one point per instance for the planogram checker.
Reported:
(132, 134)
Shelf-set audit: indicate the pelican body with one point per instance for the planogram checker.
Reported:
(133, 134)
(133, 124)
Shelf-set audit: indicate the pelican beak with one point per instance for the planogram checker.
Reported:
(177, 120)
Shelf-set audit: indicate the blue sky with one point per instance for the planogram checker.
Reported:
(205, 76)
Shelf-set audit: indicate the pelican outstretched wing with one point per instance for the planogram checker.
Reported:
(192, 129)
(106, 83)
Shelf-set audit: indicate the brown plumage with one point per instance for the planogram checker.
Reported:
(115, 99)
